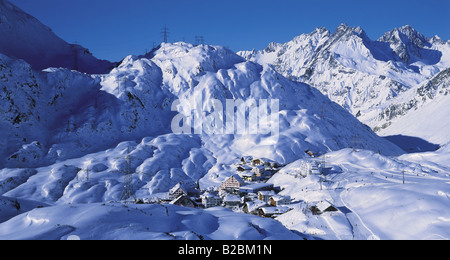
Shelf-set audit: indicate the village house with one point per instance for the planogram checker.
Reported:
(259, 170)
(209, 199)
(177, 191)
(278, 200)
(184, 201)
(272, 212)
(231, 184)
(256, 187)
(183, 188)
(243, 168)
(322, 207)
(248, 176)
(252, 207)
(257, 162)
(325, 206)
(265, 195)
(231, 201)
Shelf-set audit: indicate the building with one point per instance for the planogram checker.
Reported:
(177, 191)
(248, 176)
(272, 212)
(231, 184)
(183, 188)
(231, 201)
(265, 195)
(259, 170)
(184, 201)
(252, 207)
(256, 162)
(325, 206)
(210, 199)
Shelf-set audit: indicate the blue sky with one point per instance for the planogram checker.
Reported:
(112, 29)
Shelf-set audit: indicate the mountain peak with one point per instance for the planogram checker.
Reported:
(405, 34)
(406, 42)
(30, 40)
(345, 29)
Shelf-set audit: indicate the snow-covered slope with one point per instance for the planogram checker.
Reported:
(376, 197)
(24, 37)
(114, 221)
(69, 139)
(358, 73)
(421, 112)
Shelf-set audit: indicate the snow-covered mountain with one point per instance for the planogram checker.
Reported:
(73, 144)
(421, 112)
(73, 115)
(360, 74)
(24, 37)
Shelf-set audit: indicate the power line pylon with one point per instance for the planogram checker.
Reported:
(86, 170)
(119, 82)
(199, 40)
(165, 33)
(128, 190)
(356, 141)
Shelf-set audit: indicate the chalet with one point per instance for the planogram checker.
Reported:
(187, 188)
(231, 184)
(243, 168)
(184, 201)
(259, 170)
(257, 162)
(265, 195)
(248, 176)
(278, 200)
(210, 199)
(322, 207)
(308, 152)
(272, 212)
(231, 201)
(252, 207)
(177, 191)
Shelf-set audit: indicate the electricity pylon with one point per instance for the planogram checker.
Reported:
(165, 33)
(199, 40)
(86, 170)
(128, 190)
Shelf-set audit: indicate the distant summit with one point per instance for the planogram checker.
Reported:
(24, 37)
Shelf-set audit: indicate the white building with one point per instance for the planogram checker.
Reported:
(177, 191)
(278, 200)
(231, 201)
(265, 195)
(210, 200)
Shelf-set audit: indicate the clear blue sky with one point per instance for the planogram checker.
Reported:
(112, 29)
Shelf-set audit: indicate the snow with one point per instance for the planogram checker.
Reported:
(30, 40)
(362, 75)
(70, 140)
(111, 221)
(372, 200)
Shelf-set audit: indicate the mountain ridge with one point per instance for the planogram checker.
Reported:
(36, 43)
(362, 75)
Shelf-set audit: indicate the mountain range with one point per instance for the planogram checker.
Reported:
(369, 78)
